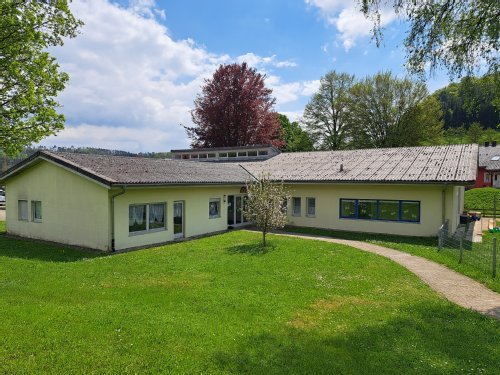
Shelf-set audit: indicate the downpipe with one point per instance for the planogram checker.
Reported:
(124, 189)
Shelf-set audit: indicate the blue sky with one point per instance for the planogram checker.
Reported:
(138, 65)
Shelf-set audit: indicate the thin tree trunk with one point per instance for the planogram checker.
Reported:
(264, 237)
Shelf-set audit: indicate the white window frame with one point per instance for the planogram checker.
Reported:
(294, 213)
(214, 200)
(487, 178)
(308, 200)
(19, 210)
(34, 212)
(148, 230)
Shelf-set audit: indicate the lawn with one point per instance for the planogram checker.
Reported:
(223, 305)
(425, 247)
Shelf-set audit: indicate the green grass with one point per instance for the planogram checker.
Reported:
(481, 198)
(425, 247)
(225, 305)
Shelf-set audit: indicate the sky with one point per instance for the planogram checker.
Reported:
(137, 65)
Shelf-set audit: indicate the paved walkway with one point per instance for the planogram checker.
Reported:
(455, 287)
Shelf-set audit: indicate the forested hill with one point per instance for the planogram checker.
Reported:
(472, 100)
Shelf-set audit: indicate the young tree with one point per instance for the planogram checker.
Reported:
(234, 109)
(475, 133)
(30, 78)
(294, 137)
(264, 206)
(460, 35)
(324, 115)
(385, 111)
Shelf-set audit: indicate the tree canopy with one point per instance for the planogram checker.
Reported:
(324, 115)
(294, 137)
(473, 99)
(459, 35)
(30, 77)
(234, 109)
(385, 111)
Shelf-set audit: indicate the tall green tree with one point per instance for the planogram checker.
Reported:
(385, 111)
(295, 138)
(459, 35)
(324, 115)
(30, 77)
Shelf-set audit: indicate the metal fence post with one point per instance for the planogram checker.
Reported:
(461, 251)
(494, 260)
(440, 239)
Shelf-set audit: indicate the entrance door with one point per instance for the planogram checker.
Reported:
(235, 204)
(178, 219)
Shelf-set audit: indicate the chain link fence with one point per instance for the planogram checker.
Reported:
(482, 256)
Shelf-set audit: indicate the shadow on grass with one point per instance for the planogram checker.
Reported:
(367, 237)
(429, 340)
(12, 247)
(253, 249)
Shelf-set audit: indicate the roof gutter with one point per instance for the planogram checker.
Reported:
(124, 189)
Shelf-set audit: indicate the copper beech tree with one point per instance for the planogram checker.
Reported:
(235, 109)
(265, 206)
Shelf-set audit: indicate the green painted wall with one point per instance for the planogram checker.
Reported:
(74, 208)
(328, 201)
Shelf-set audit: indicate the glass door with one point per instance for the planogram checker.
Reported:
(235, 205)
(230, 210)
(178, 219)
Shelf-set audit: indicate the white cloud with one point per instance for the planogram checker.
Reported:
(347, 18)
(131, 84)
(259, 61)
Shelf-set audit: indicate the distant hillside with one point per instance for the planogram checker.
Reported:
(471, 100)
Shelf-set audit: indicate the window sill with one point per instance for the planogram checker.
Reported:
(214, 217)
(380, 221)
(296, 215)
(138, 233)
(311, 216)
(37, 220)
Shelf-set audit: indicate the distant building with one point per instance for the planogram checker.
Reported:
(227, 154)
(488, 173)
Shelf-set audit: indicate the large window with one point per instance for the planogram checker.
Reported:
(295, 206)
(380, 209)
(36, 211)
(22, 210)
(214, 208)
(146, 217)
(311, 207)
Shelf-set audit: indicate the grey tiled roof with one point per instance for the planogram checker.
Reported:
(433, 164)
(485, 155)
(141, 171)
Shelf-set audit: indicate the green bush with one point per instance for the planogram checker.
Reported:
(481, 198)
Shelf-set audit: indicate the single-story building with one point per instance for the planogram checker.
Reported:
(115, 203)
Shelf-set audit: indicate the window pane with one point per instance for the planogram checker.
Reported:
(367, 209)
(348, 208)
(388, 210)
(214, 208)
(156, 216)
(263, 152)
(252, 153)
(410, 211)
(231, 154)
(36, 210)
(136, 218)
(311, 206)
(22, 207)
(296, 207)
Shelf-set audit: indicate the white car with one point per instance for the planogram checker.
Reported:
(2, 197)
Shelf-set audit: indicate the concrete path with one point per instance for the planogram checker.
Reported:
(455, 287)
